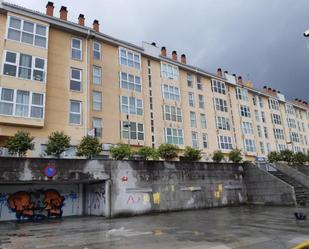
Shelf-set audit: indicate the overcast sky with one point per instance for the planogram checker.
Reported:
(262, 40)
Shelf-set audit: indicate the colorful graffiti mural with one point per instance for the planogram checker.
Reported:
(37, 204)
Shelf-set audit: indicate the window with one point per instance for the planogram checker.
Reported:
(21, 103)
(221, 105)
(75, 112)
(223, 123)
(191, 99)
(170, 92)
(172, 113)
(27, 32)
(259, 130)
(265, 132)
(261, 102)
(76, 80)
(193, 119)
(247, 128)
(249, 145)
(97, 101)
(131, 105)
(169, 71)
(294, 137)
(263, 117)
(257, 116)
(291, 123)
(279, 134)
(194, 139)
(289, 109)
(262, 147)
(97, 125)
(245, 111)
(97, 75)
(24, 66)
(199, 83)
(130, 58)
(189, 80)
(76, 49)
(218, 86)
(6, 101)
(203, 121)
(225, 142)
(273, 104)
(131, 82)
(254, 100)
(132, 130)
(205, 140)
(201, 102)
(173, 136)
(97, 50)
(281, 147)
(241, 94)
(276, 119)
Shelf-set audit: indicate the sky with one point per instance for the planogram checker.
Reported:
(261, 40)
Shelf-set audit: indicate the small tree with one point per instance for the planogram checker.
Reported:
(120, 152)
(299, 158)
(168, 151)
(235, 156)
(191, 154)
(57, 143)
(287, 156)
(274, 157)
(20, 143)
(146, 152)
(217, 156)
(89, 147)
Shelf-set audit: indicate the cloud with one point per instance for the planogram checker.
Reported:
(259, 39)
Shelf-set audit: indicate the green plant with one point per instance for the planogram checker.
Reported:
(146, 152)
(287, 156)
(57, 143)
(299, 158)
(191, 154)
(274, 157)
(218, 156)
(120, 152)
(20, 143)
(89, 147)
(235, 156)
(168, 151)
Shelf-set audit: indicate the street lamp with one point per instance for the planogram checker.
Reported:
(306, 33)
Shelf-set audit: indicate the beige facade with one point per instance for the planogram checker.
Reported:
(62, 76)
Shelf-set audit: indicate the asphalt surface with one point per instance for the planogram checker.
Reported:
(222, 228)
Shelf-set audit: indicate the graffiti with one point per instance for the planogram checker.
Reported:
(38, 204)
(73, 197)
(133, 199)
(97, 198)
(3, 201)
(156, 198)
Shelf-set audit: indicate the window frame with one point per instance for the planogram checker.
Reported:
(75, 113)
(95, 50)
(76, 80)
(134, 54)
(80, 49)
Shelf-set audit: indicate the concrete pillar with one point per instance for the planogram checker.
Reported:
(108, 201)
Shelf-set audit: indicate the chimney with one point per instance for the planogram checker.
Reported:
(154, 44)
(163, 51)
(239, 80)
(183, 59)
(64, 13)
(219, 72)
(81, 20)
(50, 9)
(174, 55)
(96, 25)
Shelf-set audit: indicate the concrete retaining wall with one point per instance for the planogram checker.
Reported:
(264, 188)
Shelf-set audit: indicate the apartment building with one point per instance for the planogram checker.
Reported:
(58, 75)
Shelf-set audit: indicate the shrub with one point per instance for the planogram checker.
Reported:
(89, 147)
(146, 152)
(168, 151)
(299, 158)
(274, 157)
(218, 156)
(235, 156)
(191, 154)
(20, 143)
(120, 152)
(57, 143)
(287, 156)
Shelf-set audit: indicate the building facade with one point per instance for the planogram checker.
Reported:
(57, 75)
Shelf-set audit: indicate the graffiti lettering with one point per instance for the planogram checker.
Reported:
(36, 204)
(133, 199)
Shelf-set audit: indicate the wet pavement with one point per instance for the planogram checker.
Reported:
(222, 228)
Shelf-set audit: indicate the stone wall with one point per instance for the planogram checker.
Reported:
(264, 188)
